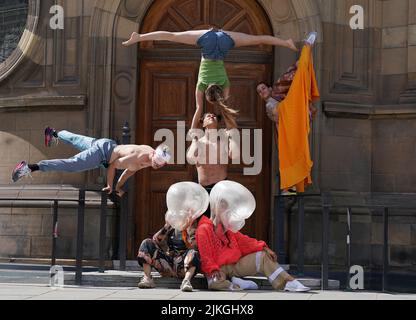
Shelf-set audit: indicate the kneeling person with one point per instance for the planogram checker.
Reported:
(226, 253)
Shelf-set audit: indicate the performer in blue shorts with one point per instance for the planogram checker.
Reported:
(215, 44)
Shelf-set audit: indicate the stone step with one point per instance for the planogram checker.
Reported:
(115, 278)
(132, 265)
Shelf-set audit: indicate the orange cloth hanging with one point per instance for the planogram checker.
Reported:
(294, 126)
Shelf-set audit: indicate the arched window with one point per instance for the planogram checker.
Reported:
(13, 17)
(18, 21)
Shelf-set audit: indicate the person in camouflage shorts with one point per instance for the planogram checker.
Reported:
(172, 253)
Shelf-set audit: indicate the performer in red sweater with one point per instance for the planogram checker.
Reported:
(226, 253)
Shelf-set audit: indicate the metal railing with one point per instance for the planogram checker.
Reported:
(81, 201)
(326, 207)
(279, 228)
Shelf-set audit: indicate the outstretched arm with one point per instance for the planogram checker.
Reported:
(199, 98)
(249, 245)
(111, 172)
(192, 153)
(122, 180)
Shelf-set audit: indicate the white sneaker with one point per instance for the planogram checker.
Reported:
(311, 38)
(146, 283)
(245, 284)
(186, 286)
(296, 286)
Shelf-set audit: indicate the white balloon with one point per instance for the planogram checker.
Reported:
(231, 204)
(186, 202)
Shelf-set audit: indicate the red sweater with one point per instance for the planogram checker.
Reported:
(218, 249)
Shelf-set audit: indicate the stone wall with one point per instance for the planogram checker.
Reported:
(27, 232)
(369, 101)
(26, 223)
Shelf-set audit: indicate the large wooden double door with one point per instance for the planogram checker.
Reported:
(168, 77)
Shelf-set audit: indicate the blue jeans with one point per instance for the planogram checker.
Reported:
(215, 44)
(94, 153)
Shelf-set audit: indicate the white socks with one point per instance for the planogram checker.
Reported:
(245, 284)
(312, 36)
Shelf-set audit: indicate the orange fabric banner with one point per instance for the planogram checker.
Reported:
(294, 126)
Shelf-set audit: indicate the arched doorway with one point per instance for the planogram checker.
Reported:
(167, 78)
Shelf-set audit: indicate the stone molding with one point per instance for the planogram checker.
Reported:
(365, 111)
(24, 103)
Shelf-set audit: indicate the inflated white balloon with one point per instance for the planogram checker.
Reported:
(231, 204)
(186, 202)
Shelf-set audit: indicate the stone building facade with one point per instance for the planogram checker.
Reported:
(81, 78)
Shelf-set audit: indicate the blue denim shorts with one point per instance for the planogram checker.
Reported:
(215, 44)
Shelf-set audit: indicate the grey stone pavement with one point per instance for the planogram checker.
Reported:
(14, 291)
(16, 283)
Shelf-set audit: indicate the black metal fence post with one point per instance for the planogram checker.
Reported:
(54, 231)
(126, 138)
(301, 236)
(103, 231)
(279, 228)
(325, 240)
(80, 237)
(385, 248)
(349, 216)
(123, 233)
(124, 209)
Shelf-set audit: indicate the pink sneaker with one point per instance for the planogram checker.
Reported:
(20, 171)
(51, 138)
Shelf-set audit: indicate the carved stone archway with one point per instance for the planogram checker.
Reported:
(112, 101)
(27, 43)
(114, 74)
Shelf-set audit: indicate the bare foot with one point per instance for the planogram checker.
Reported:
(135, 37)
(291, 45)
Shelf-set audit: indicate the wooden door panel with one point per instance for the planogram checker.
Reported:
(170, 97)
(170, 88)
(244, 79)
(166, 97)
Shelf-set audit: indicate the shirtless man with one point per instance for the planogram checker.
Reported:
(95, 153)
(212, 172)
